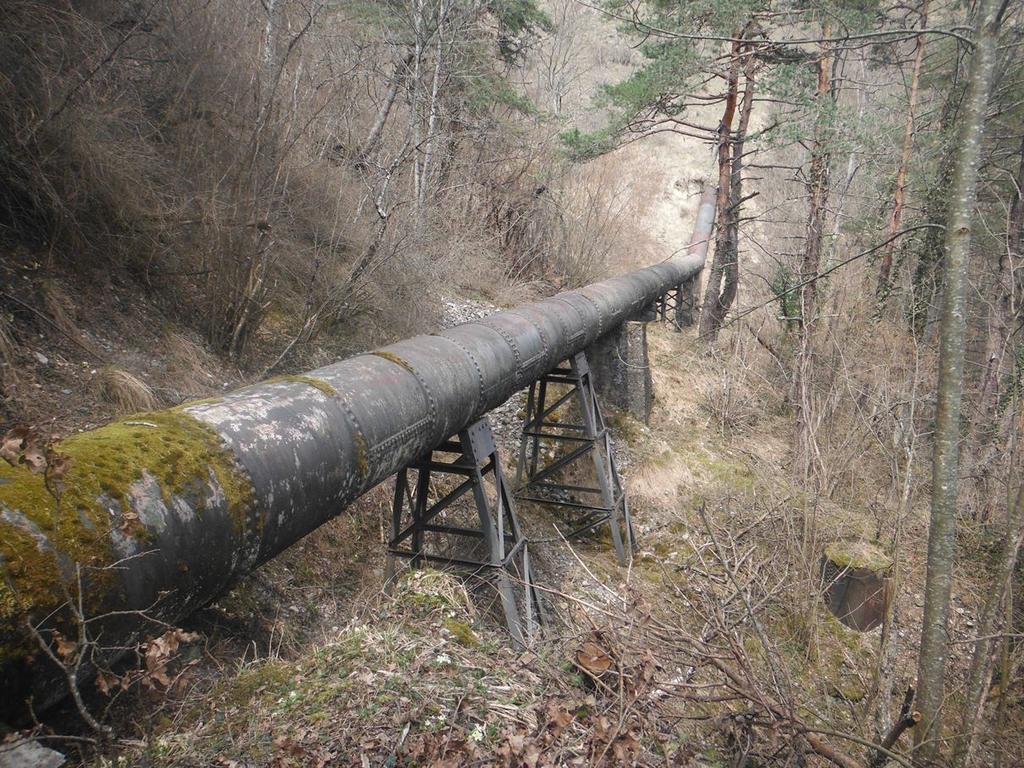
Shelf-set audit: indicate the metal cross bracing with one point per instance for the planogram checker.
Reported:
(677, 303)
(562, 427)
(437, 529)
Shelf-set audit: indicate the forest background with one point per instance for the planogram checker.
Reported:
(199, 193)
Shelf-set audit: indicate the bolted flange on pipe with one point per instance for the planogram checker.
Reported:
(160, 512)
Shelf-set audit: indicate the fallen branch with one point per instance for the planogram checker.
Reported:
(907, 719)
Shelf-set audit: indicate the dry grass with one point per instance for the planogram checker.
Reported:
(414, 676)
(123, 390)
(188, 362)
(594, 220)
(8, 352)
(174, 163)
(8, 345)
(60, 312)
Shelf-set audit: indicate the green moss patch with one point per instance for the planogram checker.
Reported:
(47, 532)
(320, 384)
(859, 554)
(393, 358)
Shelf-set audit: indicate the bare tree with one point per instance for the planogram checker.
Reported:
(945, 463)
(558, 61)
(818, 190)
(724, 273)
(899, 192)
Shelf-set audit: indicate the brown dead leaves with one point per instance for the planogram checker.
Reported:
(128, 521)
(159, 652)
(27, 446)
(576, 733)
(65, 648)
(292, 751)
(592, 657)
(164, 667)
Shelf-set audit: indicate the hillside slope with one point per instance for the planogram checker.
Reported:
(687, 656)
(155, 248)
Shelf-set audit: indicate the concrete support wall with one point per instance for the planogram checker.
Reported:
(622, 371)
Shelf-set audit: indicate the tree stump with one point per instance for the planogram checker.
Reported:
(857, 583)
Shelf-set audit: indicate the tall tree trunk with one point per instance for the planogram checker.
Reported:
(731, 262)
(818, 183)
(983, 438)
(416, 88)
(709, 323)
(373, 138)
(945, 461)
(433, 108)
(269, 43)
(981, 662)
(885, 268)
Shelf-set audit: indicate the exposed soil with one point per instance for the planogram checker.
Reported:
(63, 332)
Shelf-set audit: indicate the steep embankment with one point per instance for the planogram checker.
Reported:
(713, 646)
(309, 662)
(636, 665)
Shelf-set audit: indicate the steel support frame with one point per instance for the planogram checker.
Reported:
(576, 440)
(474, 456)
(679, 303)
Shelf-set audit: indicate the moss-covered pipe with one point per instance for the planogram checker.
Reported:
(161, 511)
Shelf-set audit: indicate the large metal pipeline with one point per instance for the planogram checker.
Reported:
(160, 512)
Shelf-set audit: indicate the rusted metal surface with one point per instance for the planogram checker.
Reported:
(165, 539)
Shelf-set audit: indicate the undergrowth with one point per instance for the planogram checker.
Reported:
(713, 647)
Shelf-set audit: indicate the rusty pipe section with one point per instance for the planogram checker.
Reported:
(160, 512)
